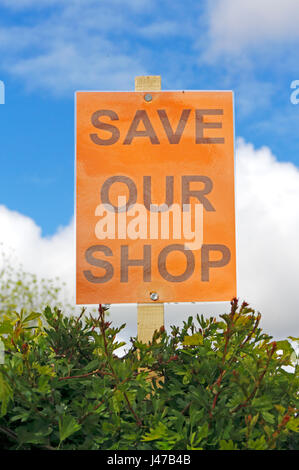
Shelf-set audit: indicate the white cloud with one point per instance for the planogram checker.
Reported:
(267, 226)
(78, 45)
(238, 25)
(267, 200)
(46, 257)
(267, 230)
(62, 45)
(83, 71)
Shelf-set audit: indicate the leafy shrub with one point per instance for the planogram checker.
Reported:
(208, 385)
(20, 289)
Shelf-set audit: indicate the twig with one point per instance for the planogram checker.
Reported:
(13, 436)
(258, 383)
(186, 408)
(252, 331)
(103, 327)
(98, 371)
(8, 432)
(275, 435)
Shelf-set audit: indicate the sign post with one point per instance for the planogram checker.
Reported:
(155, 203)
(150, 317)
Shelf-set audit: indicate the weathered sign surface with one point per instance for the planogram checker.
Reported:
(155, 206)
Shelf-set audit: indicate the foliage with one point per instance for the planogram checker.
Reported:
(212, 384)
(23, 290)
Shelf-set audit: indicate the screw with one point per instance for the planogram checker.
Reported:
(148, 97)
(154, 296)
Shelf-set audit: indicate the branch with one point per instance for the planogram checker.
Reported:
(98, 371)
(12, 435)
(103, 327)
(258, 383)
(8, 432)
(252, 331)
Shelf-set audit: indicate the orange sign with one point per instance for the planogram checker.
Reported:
(155, 216)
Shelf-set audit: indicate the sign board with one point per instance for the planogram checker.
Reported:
(155, 215)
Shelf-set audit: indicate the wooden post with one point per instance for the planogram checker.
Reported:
(150, 317)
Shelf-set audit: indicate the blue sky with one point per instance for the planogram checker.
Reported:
(51, 48)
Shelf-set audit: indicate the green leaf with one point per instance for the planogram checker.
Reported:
(159, 432)
(67, 426)
(23, 415)
(31, 316)
(254, 420)
(187, 378)
(202, 433)
(6, 395)
(285, 346)
(28, 437)
(257, 444)
(262, 403)
(293, 424)
(194, 340)
(43, 384)
(228, 445)
(268, 417)
(6, 328)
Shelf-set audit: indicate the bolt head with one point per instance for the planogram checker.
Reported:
(148, 97)
(154, 296)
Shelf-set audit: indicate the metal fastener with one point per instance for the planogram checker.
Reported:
(148, 97)
(154, 296)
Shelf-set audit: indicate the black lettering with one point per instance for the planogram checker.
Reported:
(99, 263)
(200, 125)
(190, 263)
(174, 137)
(105, 126)
(200, 195)
(147, 193)
(141, 115)
(119, 179)
(126, 262)
(206, 263)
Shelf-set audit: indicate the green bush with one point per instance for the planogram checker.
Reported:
(208, 385)
(20, 289)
